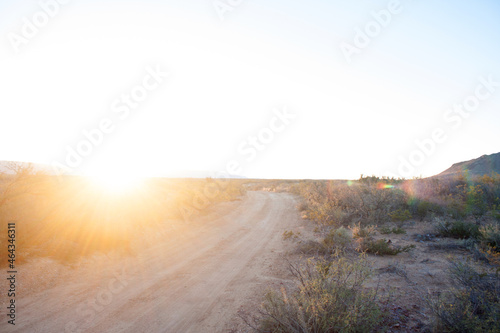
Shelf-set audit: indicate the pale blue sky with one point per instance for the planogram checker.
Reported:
(226, 77)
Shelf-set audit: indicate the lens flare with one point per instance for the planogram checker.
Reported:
(382, 186)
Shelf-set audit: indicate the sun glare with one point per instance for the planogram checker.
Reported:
(115, 183)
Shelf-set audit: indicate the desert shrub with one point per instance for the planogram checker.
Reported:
(326, 214)
(336, 203)
(384, 230)
(457, 229)
(423, 208)
(490, 237)
(370, 199)
(398, 231)
(491, 188)
(287, 234)
(359, 231)
(337, 239)
(472, 305)
(366, 243)
(330, 298)
(371, 205)
(312, 247)
(476, 202)
(380, 247)
(456, 210)
(400, 215)
(456, 202)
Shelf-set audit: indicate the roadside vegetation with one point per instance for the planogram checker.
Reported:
(68, 217)
(358, 220)
(330, 298)
(472, 304)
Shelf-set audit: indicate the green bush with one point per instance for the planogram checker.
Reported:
(423, 209)
(336, 240)
(386, 230)
(458, 229)
(473, 305)
(380, 247)
(330, 298)
(456, 209)
(400, 215)
(476, 202)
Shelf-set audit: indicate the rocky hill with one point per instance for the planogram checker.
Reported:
(484, 165)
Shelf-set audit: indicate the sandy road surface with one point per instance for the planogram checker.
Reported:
(191, 277)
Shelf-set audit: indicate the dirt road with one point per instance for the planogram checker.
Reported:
(189, 277)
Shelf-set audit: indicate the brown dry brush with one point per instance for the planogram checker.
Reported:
(471, 305)
(336, 203)
(330, 297)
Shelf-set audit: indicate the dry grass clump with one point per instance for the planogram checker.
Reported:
(331, 297)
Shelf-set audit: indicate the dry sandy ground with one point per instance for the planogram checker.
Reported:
(414, 277)
(188, 277)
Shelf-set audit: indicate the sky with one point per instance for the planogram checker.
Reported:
(260, 89)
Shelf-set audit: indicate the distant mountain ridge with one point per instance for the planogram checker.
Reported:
(484, 165)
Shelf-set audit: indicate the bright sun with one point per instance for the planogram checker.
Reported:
(115, 182)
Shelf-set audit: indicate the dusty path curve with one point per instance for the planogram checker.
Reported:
(191, 278)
